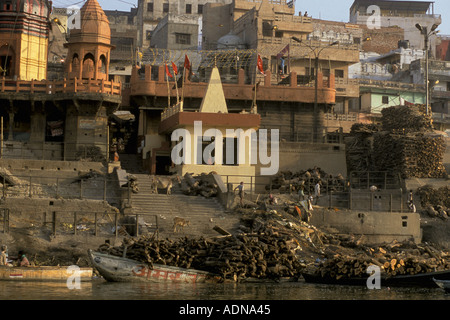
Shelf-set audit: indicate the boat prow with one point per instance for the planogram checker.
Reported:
(119, 269)
(443, 284)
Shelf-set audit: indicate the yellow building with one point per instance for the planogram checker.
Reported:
(213, 140)
(24, 31)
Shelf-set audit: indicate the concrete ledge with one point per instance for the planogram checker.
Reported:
(377, 227)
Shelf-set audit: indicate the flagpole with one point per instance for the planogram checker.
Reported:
(176, 87)
(168, 89)
(256, 74)
(175, 71)
(182, 88)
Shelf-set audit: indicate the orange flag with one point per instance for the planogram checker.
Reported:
(260, 64)
(175, 69)
(167, 72)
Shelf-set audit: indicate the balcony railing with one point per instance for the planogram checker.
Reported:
(60, 86)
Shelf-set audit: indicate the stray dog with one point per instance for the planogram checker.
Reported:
(180, 223)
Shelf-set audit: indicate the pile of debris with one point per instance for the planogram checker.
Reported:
(203, 184)
(292, 182)
(406, 258)
(436, 202)
(268, 249)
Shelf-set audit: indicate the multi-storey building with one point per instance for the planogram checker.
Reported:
(405, 14)
(151, 12)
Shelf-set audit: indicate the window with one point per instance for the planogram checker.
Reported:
(385, 100)
(200, 9)
(188, 8)
(165, 7)
(182, 38)
(278, 34)
(267, 29)
(339, 73)
(148, 35)
(150, 7)
(357, 40)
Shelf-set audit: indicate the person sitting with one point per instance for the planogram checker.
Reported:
(22, 260)
(3, 256)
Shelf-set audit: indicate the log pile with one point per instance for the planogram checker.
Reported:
(435, 202)
(266, 250)
(291, 182)
(406, 119)
(358, 147)
(418, 155)
(406, 258)
(405, 143)
(202, 184)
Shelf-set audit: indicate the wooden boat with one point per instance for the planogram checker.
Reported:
(119, 269)
(424, 280)
(44, 273)
(444, 284)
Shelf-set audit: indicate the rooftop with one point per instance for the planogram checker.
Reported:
(412, 6)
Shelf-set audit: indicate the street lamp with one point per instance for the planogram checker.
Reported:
(317, 51)
(426, 34)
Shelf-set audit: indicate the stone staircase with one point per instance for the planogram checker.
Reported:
(202, 213)
(131, 163)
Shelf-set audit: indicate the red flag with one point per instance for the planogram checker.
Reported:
(175, 69)
(260, 64)
(167, 72)
(187, 63)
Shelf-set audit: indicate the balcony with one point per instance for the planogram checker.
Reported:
(59, 87)
(289, 92)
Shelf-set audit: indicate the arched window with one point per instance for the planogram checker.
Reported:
(102, 64)
(88, 66)
(75, 65)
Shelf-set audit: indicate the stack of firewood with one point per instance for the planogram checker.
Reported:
(406, 119)
(418, 155)
(405, 143)
(358, 147)
(266, 250)
(393, 259)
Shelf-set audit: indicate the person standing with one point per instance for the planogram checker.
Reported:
(317, 191)
(240, 188)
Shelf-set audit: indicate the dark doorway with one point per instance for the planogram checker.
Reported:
(163, 164)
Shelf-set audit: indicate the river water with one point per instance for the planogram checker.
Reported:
(98, 289)
(269, 300)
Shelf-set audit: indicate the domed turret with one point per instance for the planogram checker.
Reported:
(89, 44)
(94, 25)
